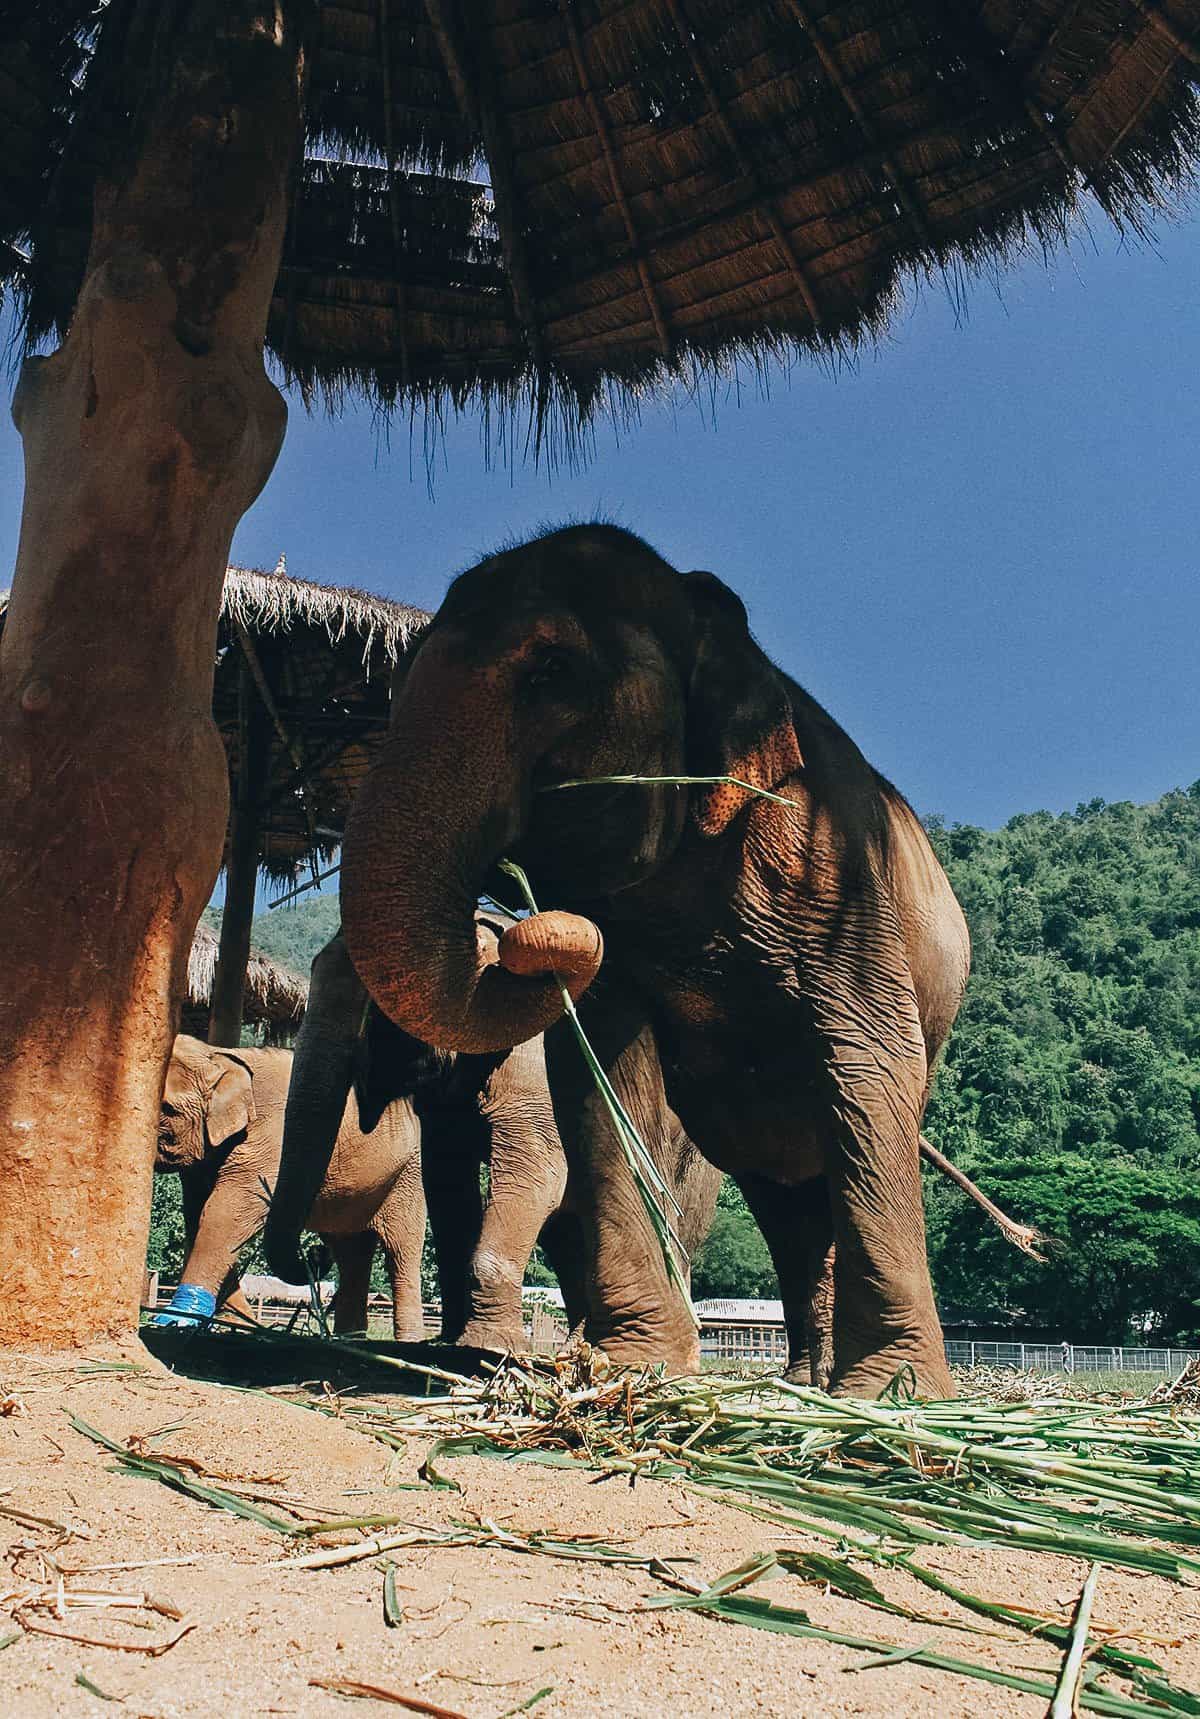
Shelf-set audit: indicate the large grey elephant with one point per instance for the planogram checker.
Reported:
(793, 968)
(221, 1127)
(488, 1109)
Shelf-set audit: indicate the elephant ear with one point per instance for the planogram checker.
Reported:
(179, 1085)
(739, 713)
(231, 1101)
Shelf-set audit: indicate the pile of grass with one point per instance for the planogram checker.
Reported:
(881, 1483)
(886, 1486)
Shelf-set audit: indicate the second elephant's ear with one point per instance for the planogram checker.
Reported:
(739, 714)
(231, 1101)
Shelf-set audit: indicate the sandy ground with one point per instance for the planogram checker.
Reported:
(483, 1630)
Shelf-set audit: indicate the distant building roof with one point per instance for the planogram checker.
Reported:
(740, 1309)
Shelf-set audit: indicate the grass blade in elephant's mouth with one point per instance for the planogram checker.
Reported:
(671, 782)
(653, 1190)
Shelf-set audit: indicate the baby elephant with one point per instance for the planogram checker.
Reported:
(221, 1128)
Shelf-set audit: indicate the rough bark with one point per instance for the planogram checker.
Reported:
(146, 435)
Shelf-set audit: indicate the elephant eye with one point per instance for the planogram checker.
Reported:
(549, 667)
(169, 1109)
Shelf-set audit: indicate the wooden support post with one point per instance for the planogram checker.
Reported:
(241, 875)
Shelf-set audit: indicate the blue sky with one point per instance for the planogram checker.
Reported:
(978, 546)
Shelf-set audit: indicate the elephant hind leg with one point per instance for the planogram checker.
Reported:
(562, 1243)
(400, 1226)
(797, 1226)
(352, 1255)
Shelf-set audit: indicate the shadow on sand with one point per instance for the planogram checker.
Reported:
(263, 1360)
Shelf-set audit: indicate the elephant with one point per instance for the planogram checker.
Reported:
(768, 920)
(491, 1109)
(221, 1127)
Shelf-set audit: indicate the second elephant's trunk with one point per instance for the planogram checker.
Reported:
(441, 805)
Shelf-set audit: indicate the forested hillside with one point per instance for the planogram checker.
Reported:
(1071, 1086)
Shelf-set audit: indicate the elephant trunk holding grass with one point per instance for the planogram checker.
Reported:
(791, 964)
(490, 1109)
(221, 1127)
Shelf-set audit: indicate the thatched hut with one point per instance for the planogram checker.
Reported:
(300, 697)
(274, 997)
(427, 201)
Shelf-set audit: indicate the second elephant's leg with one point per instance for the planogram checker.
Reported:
(635, 1312)
(352, 1255)
(400, 1226)
(797, 1226)
(528, 1174)
(562, 1243)
(220, 1219)
(452, 1149)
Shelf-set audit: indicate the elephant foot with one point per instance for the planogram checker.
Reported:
(412, 1332)
(678, 1353)
(499, 1339)
(918, 1375)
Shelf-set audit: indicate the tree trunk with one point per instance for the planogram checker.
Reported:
(147, 435)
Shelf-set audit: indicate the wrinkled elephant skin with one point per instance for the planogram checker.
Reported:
(795, 966)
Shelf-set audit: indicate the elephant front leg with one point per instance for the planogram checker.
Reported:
(636, 1314)
(352, 1255)
(528, 1175)
(220, 1217)
(400, 1226)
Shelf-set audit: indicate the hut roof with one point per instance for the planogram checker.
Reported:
(575, 199)
(320, 658)
(273, 994)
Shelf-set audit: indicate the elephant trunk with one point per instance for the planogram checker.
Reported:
(441, 805)
(322, 1073)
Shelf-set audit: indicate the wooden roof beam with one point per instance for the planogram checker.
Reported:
(603, 132)
(746, 167)
(477, 102)
(833, 71)
(1154, 15)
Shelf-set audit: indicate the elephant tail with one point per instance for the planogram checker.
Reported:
(1031, 1241)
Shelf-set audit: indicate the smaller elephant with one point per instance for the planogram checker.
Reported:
(493, 1109)
(221, 1127)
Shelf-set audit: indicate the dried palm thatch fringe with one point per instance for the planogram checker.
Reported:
(279, 603)
(546, 213)
(273, 992)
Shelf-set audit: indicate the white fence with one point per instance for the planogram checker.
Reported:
(1068, 1358)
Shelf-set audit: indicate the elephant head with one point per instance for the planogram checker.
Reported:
(581, 654)
(208, 1099)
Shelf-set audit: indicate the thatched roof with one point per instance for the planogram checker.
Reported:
(274, 995)
(572, 197)
(278, 604)
(321, 659)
